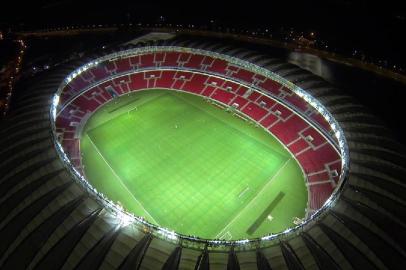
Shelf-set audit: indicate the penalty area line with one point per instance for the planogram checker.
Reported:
(253, 199)
(121, 181)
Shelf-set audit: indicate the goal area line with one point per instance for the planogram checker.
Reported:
(265, 213)
(253, 200)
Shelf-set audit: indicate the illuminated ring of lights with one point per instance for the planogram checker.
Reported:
(129, 218)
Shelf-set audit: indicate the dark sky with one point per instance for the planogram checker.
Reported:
(374, 28)
(314, 12)
(377, 26)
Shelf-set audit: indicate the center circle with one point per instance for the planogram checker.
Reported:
(192, 165)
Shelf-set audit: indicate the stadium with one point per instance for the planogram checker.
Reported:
(245, 176)
(166, 152)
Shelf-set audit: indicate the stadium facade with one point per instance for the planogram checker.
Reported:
(51, 218)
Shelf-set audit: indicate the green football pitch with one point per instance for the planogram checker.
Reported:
(185, 164)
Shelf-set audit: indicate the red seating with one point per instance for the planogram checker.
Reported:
(244, 75)
(269, 120)
(208, 90)
(230, 86)
(271, 86)
(319, 160)
(147, 60)
(137, 81)
(317, 138)
(99, 72)
(72, 147)
(240, 101)
(232, 69)
(196, 85)
(298, 146)
(259, 78)
(298, 102)
(241, 90)
(159, 58)
(135, 61)
(223, 96)
(322, 122)
(96, 94)
(63, 120)
(254, 111)
(66, 94)
(283, 112)
(185, 58)
(266, 100)
(218, 66)
(87, 104)
(171, 59)
(320, 193)
(314, 160)
(87, 76)
(335, 166)
(207, 61)
(214, 81)
(180, 78)
(166, 80)
(122, 84)
(123, 65)
(111, 67)
(287, 131)
(78, 83)
(107, 96)
(183, 75)
(319, 176)
(68, 135)
(152, 74)
(254, 95)
(285, 92)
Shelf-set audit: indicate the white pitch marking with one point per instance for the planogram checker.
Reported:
(121, 181)
(253, 199)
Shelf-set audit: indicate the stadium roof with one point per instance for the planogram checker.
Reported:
(47, 221)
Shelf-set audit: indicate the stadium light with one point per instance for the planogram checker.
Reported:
(243, 241)
(168, 234)
(55, 102)
(126, 218)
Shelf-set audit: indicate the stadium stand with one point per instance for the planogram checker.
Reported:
(287, 126)
(198, 63)
(49, 221)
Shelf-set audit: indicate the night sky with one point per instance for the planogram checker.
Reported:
(377, 28)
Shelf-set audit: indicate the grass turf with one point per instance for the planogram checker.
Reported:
(186, 165)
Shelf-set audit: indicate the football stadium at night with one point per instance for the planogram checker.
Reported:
(167, 146)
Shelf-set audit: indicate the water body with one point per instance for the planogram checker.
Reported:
(382, 96)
